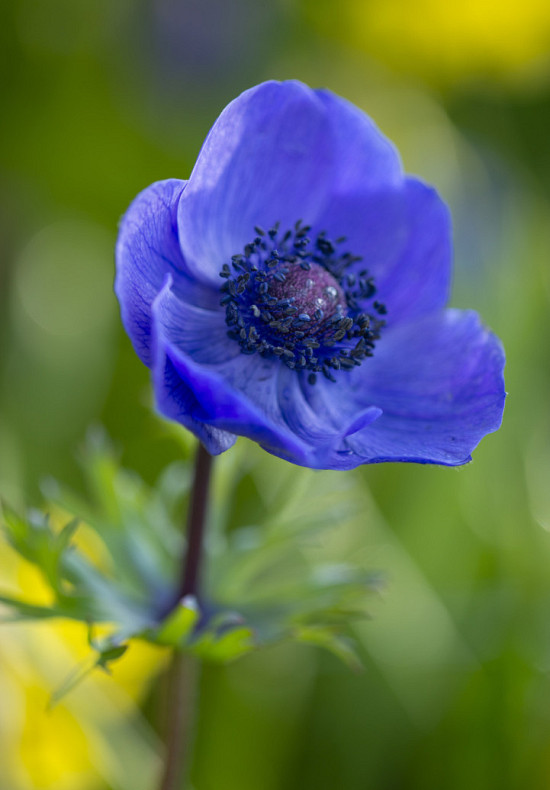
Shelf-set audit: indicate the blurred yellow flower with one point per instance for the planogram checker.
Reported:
(96, 735)
(445, 43)
(53, 748)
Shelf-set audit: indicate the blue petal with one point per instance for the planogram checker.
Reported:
(439, 383)
(203, 333)
(336, 404)
(365, 158)
(203, 381)
(147, 250)
(277, 153)
(199, 332)
(235, 397)
(404, 237)
(323, 426)
(177, 401)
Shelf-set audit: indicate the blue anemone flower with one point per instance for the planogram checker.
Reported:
(293, 291)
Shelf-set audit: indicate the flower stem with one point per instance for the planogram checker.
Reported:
(183, 672)
(196, 520)
(182, 694)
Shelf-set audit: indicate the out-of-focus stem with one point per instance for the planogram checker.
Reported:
(196, 522)
(183, 673)
(183, 676)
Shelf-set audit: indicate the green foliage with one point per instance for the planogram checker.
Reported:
(266, 582)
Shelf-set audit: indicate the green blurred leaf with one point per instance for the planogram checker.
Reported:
(179, 624)
(228, 646)
(278, 579)
(27, 611)
(328, 639)
(99, 660)
(73, 679)
(111, 654)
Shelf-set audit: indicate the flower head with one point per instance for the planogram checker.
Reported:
(293, 291)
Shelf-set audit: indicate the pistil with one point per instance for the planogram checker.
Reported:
(297, 301)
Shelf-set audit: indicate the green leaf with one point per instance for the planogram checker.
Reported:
(228, 646)
(73, 679)
(62, 539)
(293, 570)
(85, 668)
(179, 624)
(109, 655)
(324, 637)
(28, 611)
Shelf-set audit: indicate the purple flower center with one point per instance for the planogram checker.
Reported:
(317, 294)
(305, 303)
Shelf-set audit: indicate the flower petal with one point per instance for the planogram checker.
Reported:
(323, 426)
(439, 383)
(276, 154)
(198, 332)
(203, 380)
(177, 400)
(266, 159)
(237, 396)
(404, 237)
(147, 250)
(365, 158)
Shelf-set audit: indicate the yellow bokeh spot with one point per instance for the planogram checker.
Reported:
(445, 43)
(32, 585)
(69, 746)
(138, 667)
(52, 746)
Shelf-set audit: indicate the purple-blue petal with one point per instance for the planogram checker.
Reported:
(203, 381)
(198, 332)
(322, 428)
(403, 235)
(366, 159)
(148, 250)
(237, 396)
(439, 383)
(277, 153)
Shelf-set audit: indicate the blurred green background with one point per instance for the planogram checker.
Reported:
(100, 99)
